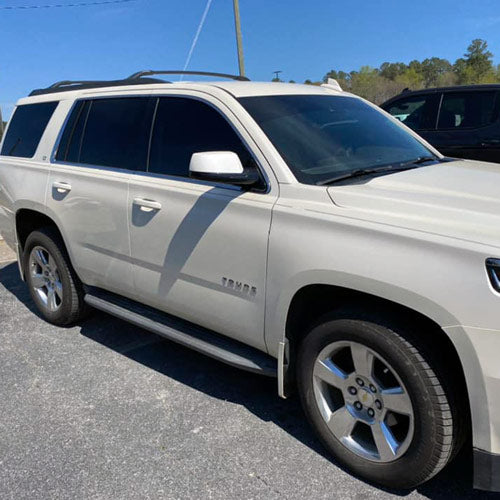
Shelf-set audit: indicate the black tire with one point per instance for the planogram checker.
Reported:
(439, 416)
(72, 306)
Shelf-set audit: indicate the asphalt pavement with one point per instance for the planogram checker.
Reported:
(104, 410)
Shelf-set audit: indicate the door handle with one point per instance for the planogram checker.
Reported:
(147, 205)
(490, 142)
(62, 187)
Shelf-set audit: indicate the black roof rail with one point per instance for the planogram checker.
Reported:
(139, 78)
(67, 85)
(151, 72)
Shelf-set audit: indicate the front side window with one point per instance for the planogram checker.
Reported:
(185, 126)
(26, 129)
(467, 110)
(322, 136)
(109, 132)
(417, 112)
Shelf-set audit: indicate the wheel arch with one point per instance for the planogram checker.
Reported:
(28, 220)
(313, 301)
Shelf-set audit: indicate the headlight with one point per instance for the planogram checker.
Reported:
(493, 268)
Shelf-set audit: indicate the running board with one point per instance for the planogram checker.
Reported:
(200, 339)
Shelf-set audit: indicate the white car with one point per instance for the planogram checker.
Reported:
(291, 230)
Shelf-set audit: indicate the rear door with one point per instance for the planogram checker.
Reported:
(199, 249)
(103, 141)
(468, 125)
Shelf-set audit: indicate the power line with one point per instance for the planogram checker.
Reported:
(61, 5)
(197, 34)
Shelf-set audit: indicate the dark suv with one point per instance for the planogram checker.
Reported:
(459, 121)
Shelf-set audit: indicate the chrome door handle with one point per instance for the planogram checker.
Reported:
(62, 187)
(147, 205)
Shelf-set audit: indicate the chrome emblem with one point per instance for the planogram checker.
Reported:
(239, 286)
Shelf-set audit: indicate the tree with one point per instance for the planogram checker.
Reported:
(379, 84)
(392, 70)
(371, 85)
(341, 76)
(411, 79)
(476, 66)
(432, 70)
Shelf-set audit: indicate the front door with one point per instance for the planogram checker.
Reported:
(199, 250)
(468, 125)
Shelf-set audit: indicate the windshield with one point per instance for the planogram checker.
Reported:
(322, 136)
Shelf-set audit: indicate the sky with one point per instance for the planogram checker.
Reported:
(303, 38)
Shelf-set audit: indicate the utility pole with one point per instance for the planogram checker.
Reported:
(277, 75)
(239, 43)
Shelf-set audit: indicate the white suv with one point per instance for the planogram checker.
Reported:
(291, 230)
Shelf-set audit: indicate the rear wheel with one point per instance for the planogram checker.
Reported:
(378, 399)
(53, 284)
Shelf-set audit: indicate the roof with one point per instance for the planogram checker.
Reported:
(246, 89)
(235, 88)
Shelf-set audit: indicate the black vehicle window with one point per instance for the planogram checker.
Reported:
(115, 133)
(466, 110)
(26, 129)
(417, 112)
(185, 126)
(69, 145)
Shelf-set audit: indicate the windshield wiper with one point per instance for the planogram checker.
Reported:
(387, 169)
(360, 172)
(419, 160)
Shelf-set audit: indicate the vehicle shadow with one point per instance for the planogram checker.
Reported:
(256, 393)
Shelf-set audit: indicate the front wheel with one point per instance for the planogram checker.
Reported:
(377, 399)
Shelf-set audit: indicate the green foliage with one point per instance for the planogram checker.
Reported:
(379, 84)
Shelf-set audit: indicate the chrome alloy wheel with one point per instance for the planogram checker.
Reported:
(45, 279)
(363, 401)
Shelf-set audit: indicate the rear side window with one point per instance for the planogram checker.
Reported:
(467, 110)
(417, 112)
(185, 126)
(109, 132)
(26, 129)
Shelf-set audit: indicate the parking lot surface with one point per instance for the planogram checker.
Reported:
(104, 410)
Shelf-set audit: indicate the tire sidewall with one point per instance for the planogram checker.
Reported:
(404, 471)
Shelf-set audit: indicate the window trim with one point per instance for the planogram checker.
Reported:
(495, 115)
(265, 178)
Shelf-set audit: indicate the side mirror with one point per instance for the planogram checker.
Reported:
(221, 166)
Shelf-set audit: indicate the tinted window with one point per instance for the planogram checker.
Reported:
(321, 136)
(115, 133)
(186, 126)
(68, 149)
(417, 112)
(76, 135)
(26, 129)
(466, 110)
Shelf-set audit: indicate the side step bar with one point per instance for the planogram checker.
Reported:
(207, 342)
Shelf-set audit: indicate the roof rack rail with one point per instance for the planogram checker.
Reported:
(150, 72)
(68, 85)
(139, 78)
